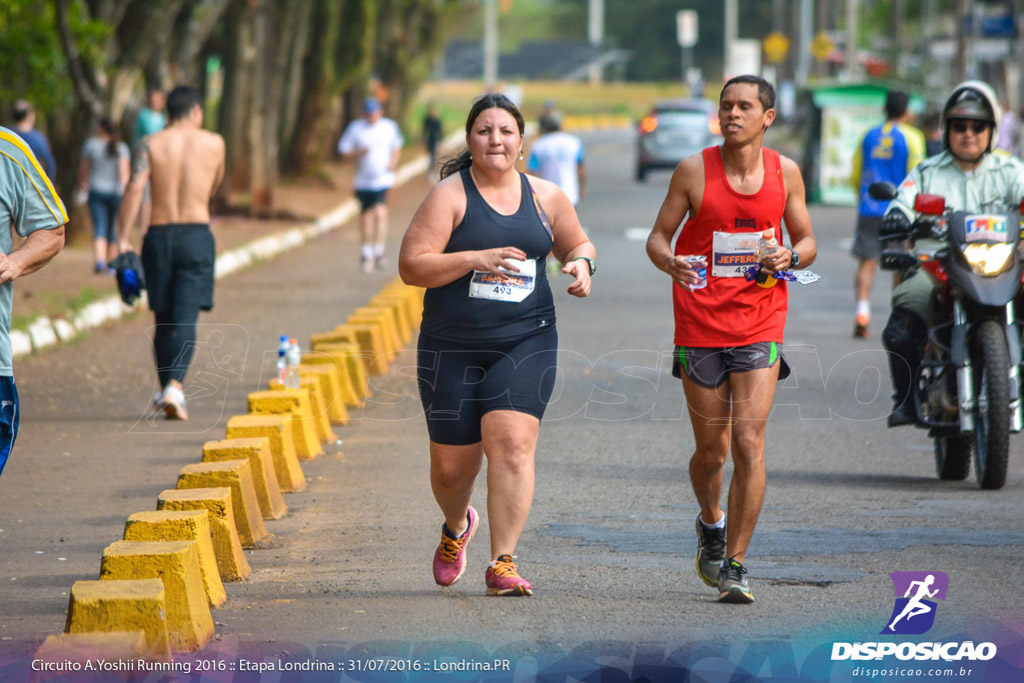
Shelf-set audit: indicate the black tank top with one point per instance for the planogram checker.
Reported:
(450, 313)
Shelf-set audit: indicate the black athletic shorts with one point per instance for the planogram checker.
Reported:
(178, 261)
(371, 198)
(459, 383)
(710, 367)
(865, 239)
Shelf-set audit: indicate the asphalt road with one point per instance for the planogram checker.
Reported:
(609, 545)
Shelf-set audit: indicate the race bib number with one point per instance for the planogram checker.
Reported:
(518, 286)
(733, 253)
(987, 228)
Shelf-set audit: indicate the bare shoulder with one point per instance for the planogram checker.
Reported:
(688, 178)
(212, 140)
(788, 165)
(546, 190)
(791, 173)
(690, 170)
(448, 194)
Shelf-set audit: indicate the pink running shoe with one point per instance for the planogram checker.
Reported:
(503, 578)
(450, 556)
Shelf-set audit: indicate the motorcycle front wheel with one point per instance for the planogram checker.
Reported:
(953, 457)
(991, 361)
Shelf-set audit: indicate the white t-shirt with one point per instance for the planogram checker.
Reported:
(555, 157)
(381, 139)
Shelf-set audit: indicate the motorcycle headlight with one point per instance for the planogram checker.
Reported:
(988, 260)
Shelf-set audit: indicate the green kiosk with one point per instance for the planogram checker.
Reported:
(839, 115)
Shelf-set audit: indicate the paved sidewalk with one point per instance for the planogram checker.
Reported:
(66, 299)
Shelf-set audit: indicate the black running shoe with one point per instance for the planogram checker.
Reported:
(710, 552)
(732, 587)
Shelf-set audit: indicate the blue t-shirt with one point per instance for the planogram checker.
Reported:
(41, 149)
(886, 153)
(28, 203)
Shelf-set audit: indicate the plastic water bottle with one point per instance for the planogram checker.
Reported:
(292, 378)
(766, 244)
(282, 363)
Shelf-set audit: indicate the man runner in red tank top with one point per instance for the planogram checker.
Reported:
(729, 334)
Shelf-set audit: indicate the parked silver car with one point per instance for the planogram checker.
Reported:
(674, 130)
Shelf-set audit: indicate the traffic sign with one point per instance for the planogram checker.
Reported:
(776, 46)
(686, 27)
(822, 46)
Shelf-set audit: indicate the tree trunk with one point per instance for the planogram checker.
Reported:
(297, 58)
(316, 118)
(232, 124)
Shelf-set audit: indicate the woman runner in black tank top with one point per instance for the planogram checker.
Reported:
(448, 313)
(487, 348)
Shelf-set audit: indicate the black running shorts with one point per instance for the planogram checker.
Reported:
(459, 383)
(371, 198)
(178, 261)
(710, 367)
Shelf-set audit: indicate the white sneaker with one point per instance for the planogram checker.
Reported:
(158, 397)
(173, 403)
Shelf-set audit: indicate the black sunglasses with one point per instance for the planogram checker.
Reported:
(961, 126)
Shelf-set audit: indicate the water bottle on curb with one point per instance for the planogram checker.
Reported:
(292, 378)
(767, 244)
(282, 363)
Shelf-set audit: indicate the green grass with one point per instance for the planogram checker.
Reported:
(572, 99)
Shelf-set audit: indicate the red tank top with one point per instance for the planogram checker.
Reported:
(731, 311)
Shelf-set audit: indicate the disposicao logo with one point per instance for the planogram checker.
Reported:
(916, 592)
(913, 614)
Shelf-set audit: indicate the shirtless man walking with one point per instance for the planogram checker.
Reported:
(729, 334)
(184, 165)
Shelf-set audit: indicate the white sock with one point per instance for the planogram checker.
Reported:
(367, 251)
(379, 249)
(720, 524)
(864, 307)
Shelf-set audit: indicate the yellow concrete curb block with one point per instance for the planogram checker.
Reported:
(113, 606)
(404, 309)
(261, 462)
(413, 298)
(401, 326)
(176, 563)
(352, 367)
(372, 345)
(278, 429)
(294, 402)
(321, 420)
(79, 648)
(386, 321)
(182, 525)
(237, 476)
(231, 562)
(329, 377)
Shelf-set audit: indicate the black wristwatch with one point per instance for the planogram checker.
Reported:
(590, 262)
(795, 260)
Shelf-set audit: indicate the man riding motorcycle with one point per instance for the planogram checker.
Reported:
(970, 178)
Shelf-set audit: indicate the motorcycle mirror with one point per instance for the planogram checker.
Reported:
(931, 204)
(886, 191)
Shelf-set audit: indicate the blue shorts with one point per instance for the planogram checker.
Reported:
(459, 383)
(103, 211)
(10, 415)
(371, 198)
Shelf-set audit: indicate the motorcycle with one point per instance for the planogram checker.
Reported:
(967, 390)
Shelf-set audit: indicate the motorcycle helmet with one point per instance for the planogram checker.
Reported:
(975, 101)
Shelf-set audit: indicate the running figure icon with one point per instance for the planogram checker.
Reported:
(915, 606)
